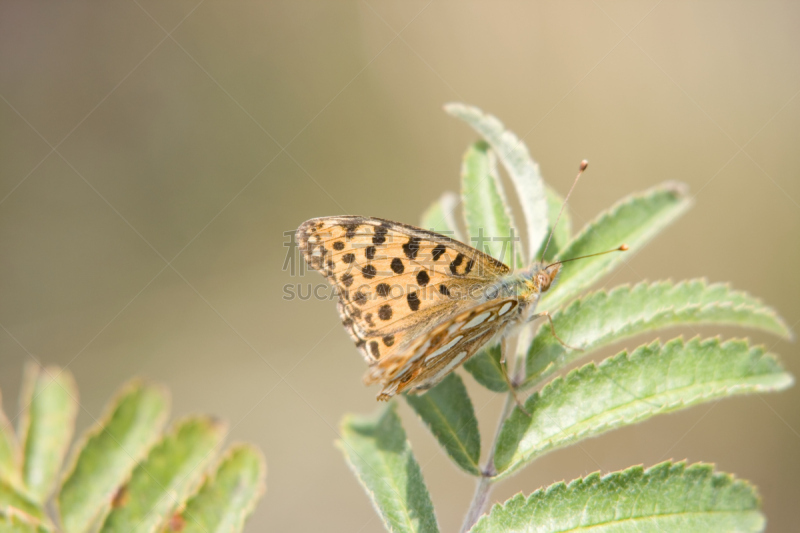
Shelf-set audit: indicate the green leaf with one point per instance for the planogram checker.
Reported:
(440, 216)
(228, 497)
(161, 483)
(523, 171)
(380, 456)
(17, 522)
(9, 451)
(12, 500)
(486, 212)
(447, 411)
(605, 317)
(625, 389)
(563, 231)
(665, 497)
(109, 453)
(485, 367)
(51, 405)
(633, 220)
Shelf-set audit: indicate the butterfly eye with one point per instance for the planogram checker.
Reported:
(543, 281)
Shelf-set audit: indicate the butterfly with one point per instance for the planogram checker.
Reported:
(416, 303)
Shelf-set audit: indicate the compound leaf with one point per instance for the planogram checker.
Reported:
(668, 497)
(110, 450)
(227, 497)
(634, 220)
(161, 483)
(626, 389)
(605, 317)
(486, 212)
(524, 173)
(447, 411)
(380, 456)
(50, 400)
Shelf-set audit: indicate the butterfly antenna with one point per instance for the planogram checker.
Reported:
(581, 168)
(620, 248)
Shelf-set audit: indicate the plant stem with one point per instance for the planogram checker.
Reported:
(484, 486)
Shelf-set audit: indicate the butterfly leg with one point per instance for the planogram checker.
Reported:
(553, 330)
(511, 389)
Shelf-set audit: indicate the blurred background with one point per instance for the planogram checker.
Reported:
(153, 155)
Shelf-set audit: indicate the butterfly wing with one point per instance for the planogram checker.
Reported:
(395, 282)
(446, 347)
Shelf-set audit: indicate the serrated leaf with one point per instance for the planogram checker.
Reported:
(9, 451)
(625, 389)
(447, 411)
(485, 367)
(634, 220)
(524, 173)
(440, 216)
(50, 400)
(377, 451)
(227, 497)
(110, 450)
(666, 497)
(563, 230)
(161, 483)
(12, 500)
(605, 317)
(486, 212)
(18, 522)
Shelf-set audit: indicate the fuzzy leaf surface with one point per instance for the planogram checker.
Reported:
(668, 497)
(486, 212)
(440, 216)
(379, 454)
(227, 497)
(634, 220)
(109, 453)
(163, 481)
(447, 411)
(626, 389)
(602, 318)
(524, 173)
(50, 396)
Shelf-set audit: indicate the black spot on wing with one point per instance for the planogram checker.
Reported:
(385, 312)
(437, 252)
(411, 248)
(397, 265)
(413, 301)
(350, 230)
(369, 271)
(383, 289)
(374, 349)
(469, 266)
(454, 264)
(380, 235)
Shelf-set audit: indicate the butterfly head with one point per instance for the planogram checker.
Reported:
(543, 278)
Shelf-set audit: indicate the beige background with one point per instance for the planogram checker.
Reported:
(153, 153)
